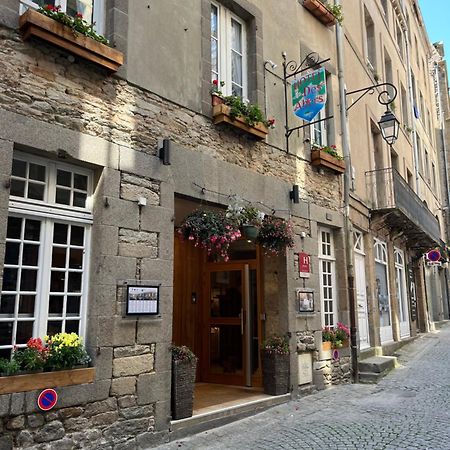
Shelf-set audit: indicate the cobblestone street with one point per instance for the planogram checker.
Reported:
(408, 409)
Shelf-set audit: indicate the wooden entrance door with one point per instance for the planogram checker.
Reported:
(231, 323)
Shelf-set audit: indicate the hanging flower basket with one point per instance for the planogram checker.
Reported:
(250, 232)
(276, 235)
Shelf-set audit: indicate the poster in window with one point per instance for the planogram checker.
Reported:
(142, 300)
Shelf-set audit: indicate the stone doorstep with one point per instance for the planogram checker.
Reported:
(201, 422)
(377, 364)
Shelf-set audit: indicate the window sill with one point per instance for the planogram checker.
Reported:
(43, 380)
(320, 12)
(324, 159)
(221, 114)
(35, 24)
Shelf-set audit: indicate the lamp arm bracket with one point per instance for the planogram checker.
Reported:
(371, 89)
(290, 130)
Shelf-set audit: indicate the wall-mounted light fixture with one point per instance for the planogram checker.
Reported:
(293, 195)
(164, 152)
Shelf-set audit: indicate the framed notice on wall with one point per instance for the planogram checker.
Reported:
(304, 300)
(142, 300)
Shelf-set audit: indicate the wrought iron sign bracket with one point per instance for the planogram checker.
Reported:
(291, 69)
(371, 90)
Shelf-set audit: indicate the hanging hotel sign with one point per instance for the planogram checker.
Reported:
(309, 94)
(304, 265)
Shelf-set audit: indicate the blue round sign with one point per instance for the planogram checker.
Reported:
(47, 399)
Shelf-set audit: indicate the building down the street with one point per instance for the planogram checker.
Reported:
(140, 145)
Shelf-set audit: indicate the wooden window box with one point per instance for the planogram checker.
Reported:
(221, 114)
(43, 380)
(324, 159)
(32, 23)
(320, 12)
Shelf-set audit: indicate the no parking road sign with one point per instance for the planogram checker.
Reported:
(47, 399)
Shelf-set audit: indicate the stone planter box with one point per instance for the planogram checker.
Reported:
(43, 380)
(320, 12)
(275, 373)
(221, 114)
(34, 24)
(183, 382)
(324, 159)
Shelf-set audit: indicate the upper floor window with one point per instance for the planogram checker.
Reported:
(228, 51)
(370, 41)
(92, 11)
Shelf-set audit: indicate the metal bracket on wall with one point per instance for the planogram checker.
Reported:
(390, 96)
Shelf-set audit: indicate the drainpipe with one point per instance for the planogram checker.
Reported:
(347, 181)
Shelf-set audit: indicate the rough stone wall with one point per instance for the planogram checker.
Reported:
(333, 370)
(39, 81)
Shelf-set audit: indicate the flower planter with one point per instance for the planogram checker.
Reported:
(326, 345)
(320, 12)
(275, 373)
(221, 114)
(35, 24)
(43, 380)
(250, 232)
(216, 100)
(324, 159)
(183, 382)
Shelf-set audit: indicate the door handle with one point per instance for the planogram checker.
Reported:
(241, 315)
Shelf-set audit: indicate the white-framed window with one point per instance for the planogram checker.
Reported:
(93, 11)
(358, 242)
(319, 130)
(327, 274)
(45, 283)
(228, 51)
(400, 283)
(382, 282)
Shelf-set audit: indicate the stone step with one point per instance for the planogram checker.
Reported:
(371, 377)
(377, 364)
(201, 422)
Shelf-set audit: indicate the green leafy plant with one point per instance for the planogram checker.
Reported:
(182, 353)
(276, 235)
(336, 10)
(330, 149)
(66, 350)
(336, 335)
(244, 215)
(211, 230)
(276, 345)
(215, 88)
(33, 357)
(77, 23)
(8, 367)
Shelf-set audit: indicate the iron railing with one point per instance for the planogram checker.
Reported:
(388, 191)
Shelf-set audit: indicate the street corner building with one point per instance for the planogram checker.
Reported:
(215, 175)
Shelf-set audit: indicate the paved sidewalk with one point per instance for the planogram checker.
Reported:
(409, 409)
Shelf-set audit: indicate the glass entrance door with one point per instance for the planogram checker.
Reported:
(231, 329)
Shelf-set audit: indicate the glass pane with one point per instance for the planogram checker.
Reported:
(236, 90)
(12, 253)
(73, 306)
(36, 191)
(57, 281)
(214, 27)
(63, 196)
(17, 188)
(77, 236)
(382, 294)
(37, 172)
(9, 279)
(72, 326)
(28, 280)
(55, 305)
(74, 282)
(226, 298)
(80, 181)
(14, 228)
(26, 304)
(226, 349)
(236, 36)
(24, 331)
(19, 168)
(32, 230)
(79, 199)
(76, 258)
(64, 178)
(60, 233)
(59, 257)
(6, 329)
(53, 327)
(80, 6)
(7, 303)
(214, 57)
(5, 352)
(236, 68)
(30, 255)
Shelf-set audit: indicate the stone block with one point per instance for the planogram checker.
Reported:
(133, 350)
(102, 361)
(152, 439)
(16, 423)
(24, 439)
(50, 432)
(86, 438)
(162, 415)
(107, 405)
(139, 244)
(68, 413)
(17, 403)
(84, 393)
(167, 196)
(123, 386)
(127, 401)
(161, 270)
(132, 187)
(4, 404)
(153, 387)
(126, 428)
(133, 365)
(152, 330)
(109, 269)
(109, 183)
(163, 357)
(156, 218)
(135, 412)
(119, 213)
(6, 442)
(143, 164)
(124, 331)
(106, 418)
(76, 424)
(103, 300)
(105, 240)
(64, 444)
(130, 444)
(35, 420)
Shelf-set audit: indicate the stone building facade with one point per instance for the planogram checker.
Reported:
(79, 152)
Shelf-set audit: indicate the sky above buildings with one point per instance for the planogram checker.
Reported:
(436, 14)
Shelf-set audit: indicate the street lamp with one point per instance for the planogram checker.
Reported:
(389, 126)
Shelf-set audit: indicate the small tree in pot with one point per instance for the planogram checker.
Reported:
(275, 356)
(184, 365)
